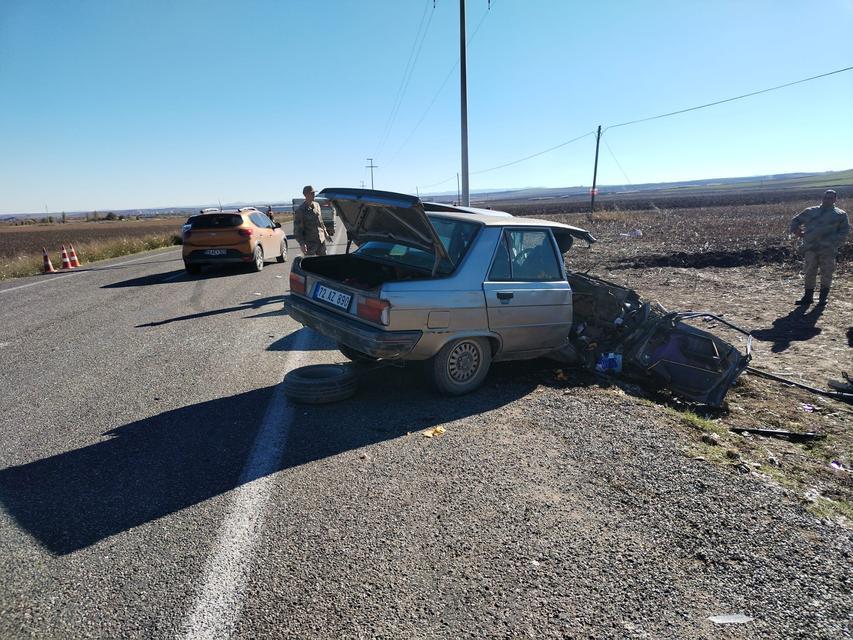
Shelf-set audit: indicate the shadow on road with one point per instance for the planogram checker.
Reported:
(260, 303)
(151, 468)
(797, 326)
(295, 342)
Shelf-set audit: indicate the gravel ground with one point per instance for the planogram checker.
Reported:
(541, 512)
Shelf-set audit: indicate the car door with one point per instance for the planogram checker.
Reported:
(263, 231)
(528, 299)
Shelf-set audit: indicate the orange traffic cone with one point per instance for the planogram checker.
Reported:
(66, 262)
(74, 261)
(48, 267)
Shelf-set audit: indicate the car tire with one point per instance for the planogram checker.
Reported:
(460, 366)
(320, 383)
(193, 269)
(258, 259)
(354, 354)
(282, 257)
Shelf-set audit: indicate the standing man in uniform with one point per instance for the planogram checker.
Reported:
(823, 230)
(308, 227)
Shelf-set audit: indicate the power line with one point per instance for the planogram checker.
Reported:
(435, 184)
(613, 155)
(557, 146)
(712, 104)
(441, 86)
(414, 54)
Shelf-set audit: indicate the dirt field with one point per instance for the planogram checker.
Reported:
(29, 240)
(738, 262)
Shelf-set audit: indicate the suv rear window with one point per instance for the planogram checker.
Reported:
(214, 221)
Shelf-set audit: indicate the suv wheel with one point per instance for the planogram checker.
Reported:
(258, 259)
(460, 366)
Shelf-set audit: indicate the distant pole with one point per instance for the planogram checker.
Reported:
(362, 184)
(463, 91)
(595, 172)
(220, 203)
(458, 199)
(418, 193)
(371, 166)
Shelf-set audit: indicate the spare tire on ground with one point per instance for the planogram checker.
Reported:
(320, 383)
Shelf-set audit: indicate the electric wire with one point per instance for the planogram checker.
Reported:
(613, 155)
(414, 54)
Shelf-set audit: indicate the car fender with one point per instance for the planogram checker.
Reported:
(433, 341)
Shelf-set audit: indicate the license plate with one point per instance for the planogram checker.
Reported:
(215, 252)
(331, 296)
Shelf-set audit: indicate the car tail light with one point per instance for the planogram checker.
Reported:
(297, 283)
(374, 310)
(245, 232)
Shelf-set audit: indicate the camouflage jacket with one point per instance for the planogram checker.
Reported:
(308, 224)
(825, 228)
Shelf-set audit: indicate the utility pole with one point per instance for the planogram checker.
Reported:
(418, 193)
(594, 172)
(371, 166)
(362, 184)
(463, 77)
(458, 200)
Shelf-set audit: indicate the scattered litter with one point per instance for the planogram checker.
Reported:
(730, 618)
(808, 408)
(835, 464)
(279, 277)
(636, 233)
(432, 433)
(609, 363)
(257, 293)
(711, 438)
(773, 460)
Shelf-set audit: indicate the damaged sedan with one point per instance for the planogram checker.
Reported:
(459, 288)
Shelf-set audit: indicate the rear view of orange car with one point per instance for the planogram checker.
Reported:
(245, 236)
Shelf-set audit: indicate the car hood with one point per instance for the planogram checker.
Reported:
(386, 217)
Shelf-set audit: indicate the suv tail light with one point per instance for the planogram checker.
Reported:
(297, 283)
(374, 310)
(245, 232)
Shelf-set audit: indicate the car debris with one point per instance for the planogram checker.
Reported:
(838, 395)
(615, 332)
(793, 436)
(731, 618)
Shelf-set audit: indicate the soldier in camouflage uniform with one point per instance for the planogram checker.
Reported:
(823, 230)
(308, 227)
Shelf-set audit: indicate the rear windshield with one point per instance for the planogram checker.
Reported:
(215, 221)
(455, 235)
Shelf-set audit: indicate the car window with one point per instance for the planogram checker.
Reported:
(214, 221)
(526, 255)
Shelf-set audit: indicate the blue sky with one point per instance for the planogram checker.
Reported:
(124, 104)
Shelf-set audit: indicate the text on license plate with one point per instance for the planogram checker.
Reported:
(331, 296)
(214, 252)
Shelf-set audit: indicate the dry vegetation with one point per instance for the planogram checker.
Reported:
(738, 262)
(21, 246)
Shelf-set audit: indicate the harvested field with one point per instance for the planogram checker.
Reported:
(21, 246)
(738, 262)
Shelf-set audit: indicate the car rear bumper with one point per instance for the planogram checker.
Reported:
(231, 255)
(374, 342)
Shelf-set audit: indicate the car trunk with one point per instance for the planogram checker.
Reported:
(615, 332)
(357, 272)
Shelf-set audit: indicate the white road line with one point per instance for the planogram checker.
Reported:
(218, 604)
(55, 278)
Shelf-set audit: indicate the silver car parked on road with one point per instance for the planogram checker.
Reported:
(457, 287)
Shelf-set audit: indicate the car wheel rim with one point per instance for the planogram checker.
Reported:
(464, 362)
(259, 258)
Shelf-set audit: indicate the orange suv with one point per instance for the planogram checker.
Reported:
(243, 236)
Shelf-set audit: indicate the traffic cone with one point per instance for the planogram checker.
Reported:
(66, 262)
(74, 261)
(48, 267)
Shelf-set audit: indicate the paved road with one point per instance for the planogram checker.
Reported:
(154, 483)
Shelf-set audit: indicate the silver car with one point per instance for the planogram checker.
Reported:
(457, 287)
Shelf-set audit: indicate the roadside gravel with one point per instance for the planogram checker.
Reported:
(540, 512)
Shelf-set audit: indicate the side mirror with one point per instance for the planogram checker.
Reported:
(277, 225)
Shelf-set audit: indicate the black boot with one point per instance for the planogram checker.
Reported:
(807, 298)
(824, 295)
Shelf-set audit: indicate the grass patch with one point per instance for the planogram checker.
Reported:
(23, 265)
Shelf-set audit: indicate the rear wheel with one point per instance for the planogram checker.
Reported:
(320, 383)
(258, 259)
(460, 366)
(282, 257)
(354, 354)
(193, 269)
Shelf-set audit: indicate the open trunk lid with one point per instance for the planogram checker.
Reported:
(386, 217)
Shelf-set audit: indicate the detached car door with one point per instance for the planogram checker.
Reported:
(528, 299)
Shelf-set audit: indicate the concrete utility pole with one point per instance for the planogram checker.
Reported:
(371, 166)
(594, 172)
(466, 200)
